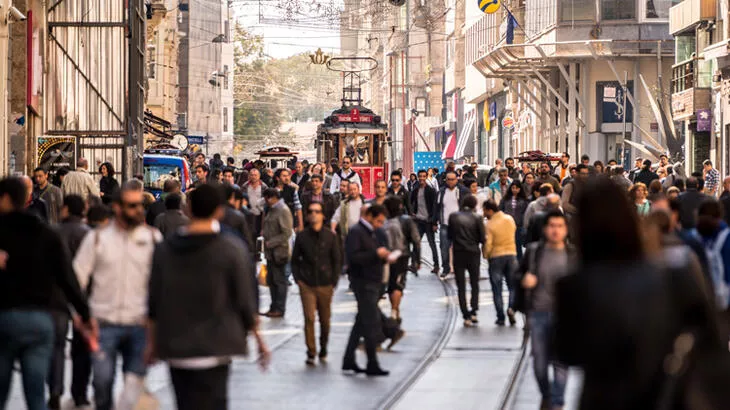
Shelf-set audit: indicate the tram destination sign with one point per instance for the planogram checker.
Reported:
(355, 116)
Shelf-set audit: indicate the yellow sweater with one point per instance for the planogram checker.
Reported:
(500, 236)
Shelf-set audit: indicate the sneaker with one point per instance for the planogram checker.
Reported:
(467, 323)
(511, 316)
(474, 319)
(398, 336)
(310, 361)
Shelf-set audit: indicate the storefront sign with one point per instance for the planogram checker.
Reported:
(508, 122)
(56, 152)
(704, 120)
(611, 99)
(354, 116)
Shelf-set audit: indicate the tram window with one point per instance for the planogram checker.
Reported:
(357, 147)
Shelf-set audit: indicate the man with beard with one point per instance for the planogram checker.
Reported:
(546, 178)
(119, 258)
(346, 173)
(512, 172)
(562, 171)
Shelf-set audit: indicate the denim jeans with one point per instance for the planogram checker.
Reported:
(27, 336)
(425, 227)
(501, 269)
(58, 360)
(445, 248)
(541, 324)
(129, 341)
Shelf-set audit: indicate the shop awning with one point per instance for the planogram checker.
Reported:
(466, 136)
(450, 146)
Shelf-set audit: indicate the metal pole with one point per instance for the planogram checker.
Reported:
(623, 103)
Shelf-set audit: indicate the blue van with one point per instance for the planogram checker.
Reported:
(159, 168)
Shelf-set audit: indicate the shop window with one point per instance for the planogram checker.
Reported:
(618, 9)
(577, 10)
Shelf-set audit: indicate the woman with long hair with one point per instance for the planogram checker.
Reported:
(527, 184)
(621, 316)
(108, 186)
(599, 168)
(638, 194)
(412, 182)
(515, 204)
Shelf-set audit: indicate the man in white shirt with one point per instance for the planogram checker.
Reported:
(346, 173)
(80, 182)
(448, 203)
(119, 258)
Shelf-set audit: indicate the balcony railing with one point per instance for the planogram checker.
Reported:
(691, 81)
(690, 12)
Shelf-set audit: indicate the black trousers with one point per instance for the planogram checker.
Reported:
(467, 261)
(278, 285)
(81, 359)
(425, 227)
(367, 322)
(58, 357)
(201, 389)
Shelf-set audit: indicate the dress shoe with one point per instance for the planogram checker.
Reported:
(511, 316)
(54, 402)
(310, 361)
(323, 354)
(468, 323)
(377, 372)
(274, 314)
(499, 322)
(474, 318)
(352, 368)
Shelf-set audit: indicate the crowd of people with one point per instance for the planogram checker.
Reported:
(616, 272)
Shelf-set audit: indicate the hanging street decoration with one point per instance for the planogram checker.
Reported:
(319, 58)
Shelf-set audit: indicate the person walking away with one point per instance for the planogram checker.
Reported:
(447, 203)
(646, 175)
(319, 194)
(234, 221)
(570, 192)
(466, 231)
(544, 177)
(515, 204)
(492, 175)
(170, 186)
(254, 189)
(346, 173)
(423, 199)
(277, 230)
(173, 218)
(501, 252)
(52, 195)
(711, 177)
(545, 262)
(714, 233)
(617, 176)
(28, 284)
(398, 190)
(221, 304)
(690, 201)
(534, 232)
(108, 186)
(366, 258)
(80, 182)
(481, 197)
(538, 205)
(316, 266)
(118, 257)
(499, 188)
(72, 230)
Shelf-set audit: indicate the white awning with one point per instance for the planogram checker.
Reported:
(466, 136)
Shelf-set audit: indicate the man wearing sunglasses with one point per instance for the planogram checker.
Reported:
(119, 258)
(316, 265)
(398, 190)
(346, 173)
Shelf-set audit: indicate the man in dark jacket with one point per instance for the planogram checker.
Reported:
(34, 204)
(170, 186)
(73, 230)
(690, 202)
(466, 232)
(398, 190)
(423, 201)
(316, 266)
(448, 202)
(233, 219)
(196, 318)
(173, 218)
(646, 175)
(365, 258)
(319, 194)
(27, 286)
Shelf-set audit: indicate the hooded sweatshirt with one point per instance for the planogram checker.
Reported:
(202, 296)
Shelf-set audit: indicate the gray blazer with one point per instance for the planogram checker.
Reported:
(277, 230)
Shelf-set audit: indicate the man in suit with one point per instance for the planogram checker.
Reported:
(366, 258)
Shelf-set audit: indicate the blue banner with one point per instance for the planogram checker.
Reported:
(196, 139)
(428, 159)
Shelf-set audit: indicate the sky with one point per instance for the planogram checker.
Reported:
(284, 38)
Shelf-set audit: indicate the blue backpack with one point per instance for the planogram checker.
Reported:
(716, 266)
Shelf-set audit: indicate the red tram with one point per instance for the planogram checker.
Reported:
(355, 131)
